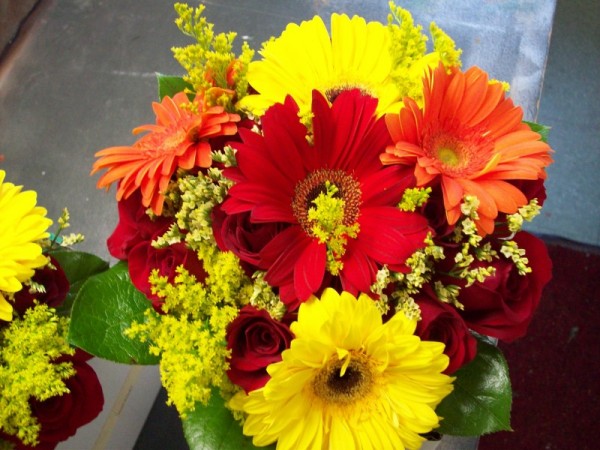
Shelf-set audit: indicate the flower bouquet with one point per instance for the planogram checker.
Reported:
(321, 246)
(47, 388)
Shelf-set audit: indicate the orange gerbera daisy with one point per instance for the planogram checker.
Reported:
(470, 138)
(180, 139)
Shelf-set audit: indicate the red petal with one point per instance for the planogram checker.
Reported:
(389, 235)
(285, 140)
(348, 136)
(359, 271)
(264, 212)
(386, 187)
(279, 256)
(309, 270)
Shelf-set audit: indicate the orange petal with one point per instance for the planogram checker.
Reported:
(203, 156)
(474, 94)
(452, 215)
(453, 96)
(453, 192)
(507, 197)
(493, 96)
(487, 205)
(484, 225)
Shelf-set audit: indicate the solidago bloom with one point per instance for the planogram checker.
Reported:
(22, 226)
(470, 138)
(29, 347)
(305, 57)
(189, 337)
(349, 381)
(211, 65)
(408, 47)
(178, 140)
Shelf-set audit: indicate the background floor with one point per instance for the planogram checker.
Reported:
(554, 370)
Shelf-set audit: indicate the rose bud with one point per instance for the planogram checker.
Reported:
(134, 226)
(256, 340)
(441, 322)
(55, 284)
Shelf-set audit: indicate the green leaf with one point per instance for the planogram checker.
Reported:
(543, 130)
(106, 305)
(482, 396)
(78, 267)
(169, 85)
(213, 427)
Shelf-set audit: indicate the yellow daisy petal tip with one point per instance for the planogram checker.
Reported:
(22, 226)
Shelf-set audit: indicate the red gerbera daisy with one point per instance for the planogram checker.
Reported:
(180, 139)
(338, 201)
(470, 138)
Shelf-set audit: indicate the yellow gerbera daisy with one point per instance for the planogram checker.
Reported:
(349, 381)
(22, 224)
(304, 58)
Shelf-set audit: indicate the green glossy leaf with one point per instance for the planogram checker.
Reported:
(105, 306)
(543, 130)
(169, 85)
(78, 267)
(212, 427)
(482, 396)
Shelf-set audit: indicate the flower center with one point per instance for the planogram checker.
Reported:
(457, 150)
(448, 157)
(327, 206)
(333, 184)
(174, 140)
(158, 144)
(345, 381)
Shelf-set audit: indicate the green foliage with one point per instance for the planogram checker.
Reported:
(78, 267)
(482, 396)
(543, 130)
(105, 306)
(169, 85)
(213, 427)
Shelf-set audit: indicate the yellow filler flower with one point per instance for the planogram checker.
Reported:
(22, 225)
(349, 381)
(304, 58)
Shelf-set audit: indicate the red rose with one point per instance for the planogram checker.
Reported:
(256, 340)
(441, 322)
(134, 226)
(144, 258)
(532, 189)
(243, 238)
(503, 305)
(55, 283)
(62, 415)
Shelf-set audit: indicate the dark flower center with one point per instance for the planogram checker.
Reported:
(344, 381)
(332, 93)
(317, 183)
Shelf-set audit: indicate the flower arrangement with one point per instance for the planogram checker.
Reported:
(319, 247)
(47, 388)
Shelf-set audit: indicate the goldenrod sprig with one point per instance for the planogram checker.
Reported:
(29, 347)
